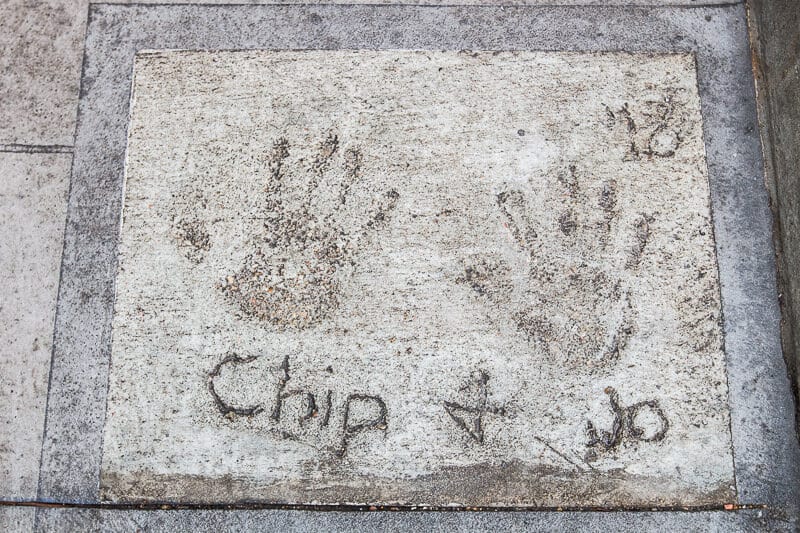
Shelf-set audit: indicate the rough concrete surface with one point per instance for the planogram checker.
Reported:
(33, 190)
(658, 3)
(766, 461)
(776, 42)
(40, 57)
(68, 520)
(765, 455)
(17, 519)
(421, 278)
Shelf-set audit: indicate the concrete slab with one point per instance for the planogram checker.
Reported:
(765, 450)
(33, 204)
(40, 58)
(17, 519)
(417, 278)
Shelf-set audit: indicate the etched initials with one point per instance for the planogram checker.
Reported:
(625, 424)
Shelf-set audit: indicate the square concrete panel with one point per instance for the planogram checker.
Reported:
(419, 278)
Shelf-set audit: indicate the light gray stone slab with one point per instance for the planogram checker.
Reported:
(17, 519)
(417, 278)
(40, 58)
(33, 204)
(765, 447)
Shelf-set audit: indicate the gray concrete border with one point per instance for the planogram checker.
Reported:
(213, 521)
(765, 446)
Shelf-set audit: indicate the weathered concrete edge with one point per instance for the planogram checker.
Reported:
(781, 157)
(196, 521)
(764, 453)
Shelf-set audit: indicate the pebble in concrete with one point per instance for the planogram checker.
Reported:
(417, 277)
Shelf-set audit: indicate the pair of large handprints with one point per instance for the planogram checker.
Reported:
(575, 308)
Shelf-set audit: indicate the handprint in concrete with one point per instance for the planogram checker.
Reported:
(314, 227)
(569, 293)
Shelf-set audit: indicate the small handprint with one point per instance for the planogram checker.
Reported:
(572, 303)
(313, 229)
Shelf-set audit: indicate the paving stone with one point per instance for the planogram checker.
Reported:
(423, 278)
(17, 519)
(41, 45)
(33, 205)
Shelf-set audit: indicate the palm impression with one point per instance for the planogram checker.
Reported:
(569, 295)
(307, 226)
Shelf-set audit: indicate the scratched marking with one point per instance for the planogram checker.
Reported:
(282, 426)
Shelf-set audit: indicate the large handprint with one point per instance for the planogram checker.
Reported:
(313, 227)
(572, 301)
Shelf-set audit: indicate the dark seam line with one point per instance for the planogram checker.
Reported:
(249, 506)
(36, 148)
